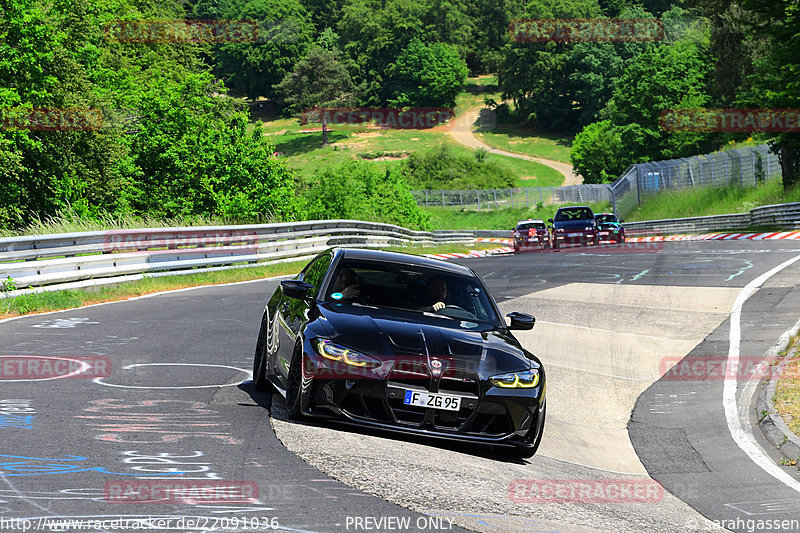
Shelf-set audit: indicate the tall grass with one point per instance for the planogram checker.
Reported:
(704, 201)
(69, 221)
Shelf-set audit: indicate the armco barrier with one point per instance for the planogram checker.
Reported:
(784, 216)
(40, 260)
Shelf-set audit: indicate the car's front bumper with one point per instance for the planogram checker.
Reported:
(488, 414)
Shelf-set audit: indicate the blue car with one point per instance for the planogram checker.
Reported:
(574, 225)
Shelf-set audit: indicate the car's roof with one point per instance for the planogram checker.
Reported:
(397, 257)
(606, 214)
(531, 221)
(574, 207)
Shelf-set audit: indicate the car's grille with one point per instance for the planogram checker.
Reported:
(472, 418)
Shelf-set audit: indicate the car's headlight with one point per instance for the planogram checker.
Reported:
(516, 380)
(332, 351)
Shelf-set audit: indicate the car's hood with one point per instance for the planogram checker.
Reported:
(573, 224)
(386, 336)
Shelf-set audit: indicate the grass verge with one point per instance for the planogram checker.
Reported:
(703, 201)
(499, 219)
(68, 299)
(523, 140)
(787, 393)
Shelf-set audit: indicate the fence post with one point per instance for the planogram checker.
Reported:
(461, 199)
(426, 198)
(478, 196)
(443, 198)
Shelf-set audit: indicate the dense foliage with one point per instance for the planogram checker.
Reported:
(174, 141)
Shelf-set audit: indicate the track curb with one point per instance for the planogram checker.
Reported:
(772, 424)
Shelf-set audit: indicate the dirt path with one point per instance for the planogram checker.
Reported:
(461, 131)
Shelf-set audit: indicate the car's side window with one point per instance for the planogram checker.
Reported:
(315, 271)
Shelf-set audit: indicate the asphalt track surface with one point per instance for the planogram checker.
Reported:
(177, 404)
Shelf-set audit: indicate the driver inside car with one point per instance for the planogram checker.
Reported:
(436, 291)
(346, 284)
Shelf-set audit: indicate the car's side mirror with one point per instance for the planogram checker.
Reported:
(550, 220)
(621, 220)
(521, 321)
(294, 288)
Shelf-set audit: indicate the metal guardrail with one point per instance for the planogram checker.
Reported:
(41, 260)
(785, 216)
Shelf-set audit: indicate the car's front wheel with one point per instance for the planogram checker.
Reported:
(294, 389)
(260, 380)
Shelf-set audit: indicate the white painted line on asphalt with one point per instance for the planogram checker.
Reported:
(738, 419)
(134, 298)
(569, 367)
(249, 374)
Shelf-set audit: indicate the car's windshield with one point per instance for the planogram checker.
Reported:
(574, 213)
(411, 288)
(603, 219)
(525, 226)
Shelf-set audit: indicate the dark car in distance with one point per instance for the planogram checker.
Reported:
(401, 343)
(574, 225)
(531, 233)
(609, 227)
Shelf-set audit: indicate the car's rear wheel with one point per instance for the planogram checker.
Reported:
(294, 388)
(555, 244)
(621, 239)
(516, 247)
(260, 380)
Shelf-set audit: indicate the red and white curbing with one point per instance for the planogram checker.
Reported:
(793, 235)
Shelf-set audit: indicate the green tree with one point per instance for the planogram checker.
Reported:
(358, 190)
(318, 80)
(776, 79)
(595, 153)
(426, 76)
(285, 36)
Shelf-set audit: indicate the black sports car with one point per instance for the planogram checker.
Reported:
(403, 343)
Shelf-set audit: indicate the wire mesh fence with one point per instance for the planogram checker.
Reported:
(521, 197)
(743, 166)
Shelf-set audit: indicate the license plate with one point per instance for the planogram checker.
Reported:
(429, 399)
(574, 234)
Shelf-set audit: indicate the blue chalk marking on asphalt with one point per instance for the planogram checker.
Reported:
(27, 467)
(16, 421)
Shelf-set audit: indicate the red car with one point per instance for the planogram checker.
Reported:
(531, 233)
